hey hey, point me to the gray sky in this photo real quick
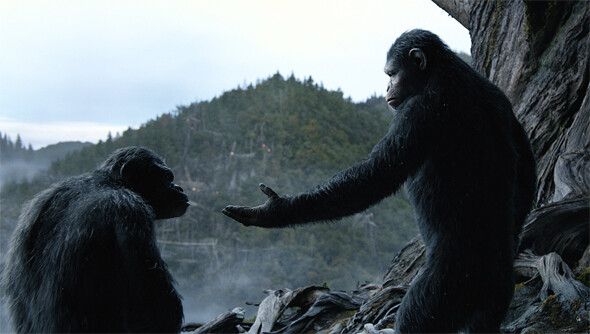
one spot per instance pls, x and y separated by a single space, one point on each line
75 70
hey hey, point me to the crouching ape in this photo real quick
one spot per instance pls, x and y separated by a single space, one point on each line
84 256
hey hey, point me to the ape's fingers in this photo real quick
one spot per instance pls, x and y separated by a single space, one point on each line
233 212
240 214
267 191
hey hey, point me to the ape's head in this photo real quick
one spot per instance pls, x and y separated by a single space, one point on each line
409 63
143 172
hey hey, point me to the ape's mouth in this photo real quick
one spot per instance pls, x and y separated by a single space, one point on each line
186 202
392 101
179 209
181 205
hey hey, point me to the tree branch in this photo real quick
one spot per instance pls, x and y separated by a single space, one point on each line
458 9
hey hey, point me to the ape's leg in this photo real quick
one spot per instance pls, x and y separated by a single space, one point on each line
428 308
437 304
485 322
492 304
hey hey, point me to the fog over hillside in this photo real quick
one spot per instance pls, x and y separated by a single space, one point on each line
18 164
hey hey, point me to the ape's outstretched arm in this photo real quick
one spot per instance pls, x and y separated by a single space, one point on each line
354 189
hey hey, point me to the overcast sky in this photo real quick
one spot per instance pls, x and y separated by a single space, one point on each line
75 70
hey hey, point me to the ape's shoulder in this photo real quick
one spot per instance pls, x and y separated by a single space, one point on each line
115 204
85 200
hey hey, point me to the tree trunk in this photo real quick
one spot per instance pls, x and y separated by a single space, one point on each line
537 53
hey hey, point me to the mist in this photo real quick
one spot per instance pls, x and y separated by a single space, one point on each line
19 170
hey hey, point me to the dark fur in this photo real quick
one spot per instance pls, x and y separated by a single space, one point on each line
84 256
470 173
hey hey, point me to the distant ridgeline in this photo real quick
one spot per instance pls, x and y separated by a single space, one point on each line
20 163
287 133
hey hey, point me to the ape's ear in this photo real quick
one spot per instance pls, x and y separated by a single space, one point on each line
128 172
419 57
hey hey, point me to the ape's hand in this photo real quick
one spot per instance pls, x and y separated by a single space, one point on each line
270 214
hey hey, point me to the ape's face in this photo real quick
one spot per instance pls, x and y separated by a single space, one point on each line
406 77
397 88
154 182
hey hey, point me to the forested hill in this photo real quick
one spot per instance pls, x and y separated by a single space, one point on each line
304 125
287 133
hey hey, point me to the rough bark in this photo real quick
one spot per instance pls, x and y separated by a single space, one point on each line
406 265
538 54
550 300
560 227
228 322
458 9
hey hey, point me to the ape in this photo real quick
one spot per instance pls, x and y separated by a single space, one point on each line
469 171
84 256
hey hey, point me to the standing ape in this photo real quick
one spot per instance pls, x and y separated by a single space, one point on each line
84 256
469 171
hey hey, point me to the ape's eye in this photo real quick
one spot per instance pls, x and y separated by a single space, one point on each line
169 177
